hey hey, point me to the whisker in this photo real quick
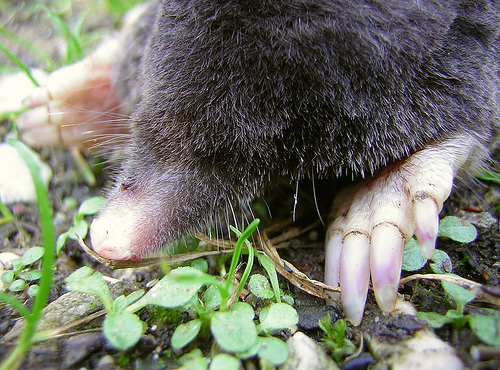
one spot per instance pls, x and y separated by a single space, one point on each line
316 200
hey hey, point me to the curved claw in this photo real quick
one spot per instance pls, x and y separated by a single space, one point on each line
355 275
332 261
426 216
386 255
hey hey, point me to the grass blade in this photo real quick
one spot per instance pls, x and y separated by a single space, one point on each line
19 63
48 242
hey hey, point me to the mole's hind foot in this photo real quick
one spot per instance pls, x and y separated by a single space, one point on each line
77 105
373 221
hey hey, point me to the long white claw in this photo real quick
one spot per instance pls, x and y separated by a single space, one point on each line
386 254
426 216
355 275
333 252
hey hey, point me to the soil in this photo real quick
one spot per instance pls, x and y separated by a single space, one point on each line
85 347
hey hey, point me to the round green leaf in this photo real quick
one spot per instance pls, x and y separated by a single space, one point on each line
17 264
243 310
487 328
232 333
212 298
8 276
434 319
442 263
274 350
61 240
33 290
170 292
119 304
278 316
31 275
460 295
412 256
200 264
223 361
17 285
123 330
81 228
185 333
81 273
457 229
93 284
193 360
259 286
92 206
32 255
70 202
80 281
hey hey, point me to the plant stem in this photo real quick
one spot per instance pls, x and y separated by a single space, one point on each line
237 249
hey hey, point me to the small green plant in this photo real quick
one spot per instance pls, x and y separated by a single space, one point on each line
89 207
234 328
22 276
485 323
335 340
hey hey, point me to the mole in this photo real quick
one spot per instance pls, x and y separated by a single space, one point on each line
212 101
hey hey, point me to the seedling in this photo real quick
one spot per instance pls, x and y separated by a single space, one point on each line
335 339
485 324
22 275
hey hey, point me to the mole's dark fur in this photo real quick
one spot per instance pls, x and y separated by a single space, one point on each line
229 95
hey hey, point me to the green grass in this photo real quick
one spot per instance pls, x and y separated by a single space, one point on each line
48 241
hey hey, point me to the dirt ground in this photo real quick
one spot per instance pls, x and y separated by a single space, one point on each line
85 346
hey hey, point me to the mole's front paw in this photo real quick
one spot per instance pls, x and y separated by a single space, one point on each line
373 221
77 105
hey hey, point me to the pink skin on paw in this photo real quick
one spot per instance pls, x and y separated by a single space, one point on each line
85 117
78 105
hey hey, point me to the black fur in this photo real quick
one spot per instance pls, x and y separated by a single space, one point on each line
232 94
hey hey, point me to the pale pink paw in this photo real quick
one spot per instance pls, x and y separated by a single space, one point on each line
373 221
76 105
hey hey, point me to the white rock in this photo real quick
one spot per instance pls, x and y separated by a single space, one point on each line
16 183
305 354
